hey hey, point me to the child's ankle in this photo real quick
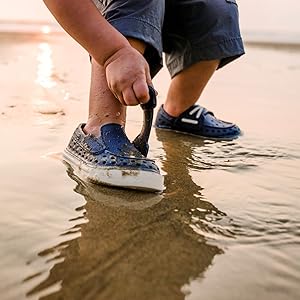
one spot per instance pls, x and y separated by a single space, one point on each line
93 127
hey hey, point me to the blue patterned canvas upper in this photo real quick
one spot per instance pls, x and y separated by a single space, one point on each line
111 150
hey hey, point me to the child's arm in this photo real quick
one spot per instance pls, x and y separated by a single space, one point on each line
126 69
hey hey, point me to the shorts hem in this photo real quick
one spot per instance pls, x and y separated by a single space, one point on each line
226 51
143 30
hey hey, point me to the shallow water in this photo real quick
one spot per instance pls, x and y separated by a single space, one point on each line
226 227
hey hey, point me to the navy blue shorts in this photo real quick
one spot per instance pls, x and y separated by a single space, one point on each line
187 31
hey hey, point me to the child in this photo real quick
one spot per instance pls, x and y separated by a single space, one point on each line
125 40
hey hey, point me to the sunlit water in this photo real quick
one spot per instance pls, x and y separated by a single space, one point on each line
226 227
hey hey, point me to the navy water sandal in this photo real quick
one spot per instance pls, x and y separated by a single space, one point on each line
197 120
111 159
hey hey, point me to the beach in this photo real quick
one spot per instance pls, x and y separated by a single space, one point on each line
227 225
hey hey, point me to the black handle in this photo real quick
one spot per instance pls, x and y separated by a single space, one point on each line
141 141
151 104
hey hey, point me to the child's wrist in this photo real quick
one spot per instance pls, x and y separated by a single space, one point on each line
116 54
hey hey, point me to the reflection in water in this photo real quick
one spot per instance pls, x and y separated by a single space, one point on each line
45 66
46 29
47 95
137 245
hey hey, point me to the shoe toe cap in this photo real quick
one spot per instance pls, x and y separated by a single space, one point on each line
111 160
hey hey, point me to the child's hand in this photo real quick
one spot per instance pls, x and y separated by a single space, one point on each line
128 76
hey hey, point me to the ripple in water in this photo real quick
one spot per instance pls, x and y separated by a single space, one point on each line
230 155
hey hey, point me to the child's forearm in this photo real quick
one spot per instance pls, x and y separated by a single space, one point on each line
127 72
82 20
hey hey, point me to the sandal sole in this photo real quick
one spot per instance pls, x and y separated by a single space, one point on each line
201 136
119 177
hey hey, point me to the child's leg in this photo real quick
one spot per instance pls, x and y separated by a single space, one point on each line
202 36
104 108
187 86
199 37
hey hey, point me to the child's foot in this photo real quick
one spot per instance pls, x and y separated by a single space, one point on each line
111 159
199 121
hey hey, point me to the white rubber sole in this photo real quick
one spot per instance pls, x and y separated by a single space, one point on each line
129 179
201 136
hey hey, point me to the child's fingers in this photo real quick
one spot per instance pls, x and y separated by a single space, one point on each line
149 81
148 77
141 90
129 97
118 95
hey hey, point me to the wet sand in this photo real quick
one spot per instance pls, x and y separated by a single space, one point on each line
226 227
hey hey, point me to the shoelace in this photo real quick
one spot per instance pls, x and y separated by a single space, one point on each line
197 110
